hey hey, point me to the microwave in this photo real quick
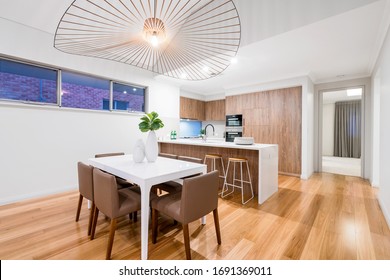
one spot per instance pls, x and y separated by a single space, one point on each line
234 121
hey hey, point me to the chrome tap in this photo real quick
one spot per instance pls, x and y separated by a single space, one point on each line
205 129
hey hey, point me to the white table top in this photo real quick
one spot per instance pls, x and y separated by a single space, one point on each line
151 173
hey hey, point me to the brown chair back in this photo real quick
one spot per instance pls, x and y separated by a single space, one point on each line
106 193
190 159
172 156
199 196
85 180
112 202
109 155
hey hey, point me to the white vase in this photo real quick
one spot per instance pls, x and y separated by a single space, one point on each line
151 147
139 151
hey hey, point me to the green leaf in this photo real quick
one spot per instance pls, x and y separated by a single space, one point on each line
150 121
150 116
145 119
143 126
154 126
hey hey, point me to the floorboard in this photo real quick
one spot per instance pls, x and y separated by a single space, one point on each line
329 216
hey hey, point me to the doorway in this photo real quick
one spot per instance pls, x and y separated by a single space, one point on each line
342 119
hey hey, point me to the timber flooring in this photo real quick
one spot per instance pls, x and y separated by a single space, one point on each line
326 217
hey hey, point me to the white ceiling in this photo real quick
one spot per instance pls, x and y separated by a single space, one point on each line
280 39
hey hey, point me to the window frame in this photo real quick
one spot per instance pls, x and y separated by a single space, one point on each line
145 89
90 76
58 104
28 102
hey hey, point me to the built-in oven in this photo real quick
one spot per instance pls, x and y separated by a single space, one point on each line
233 127
232 132
234 121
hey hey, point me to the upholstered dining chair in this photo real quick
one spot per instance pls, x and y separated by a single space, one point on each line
112 202
172 156
198 198
85 178
109 154
190 159
122 183
165 187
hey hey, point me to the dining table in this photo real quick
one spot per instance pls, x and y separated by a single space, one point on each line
146 174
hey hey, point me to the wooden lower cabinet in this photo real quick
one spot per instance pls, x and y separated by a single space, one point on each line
201 151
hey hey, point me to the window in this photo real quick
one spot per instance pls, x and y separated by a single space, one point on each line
26 82
129 98
82 91
29 83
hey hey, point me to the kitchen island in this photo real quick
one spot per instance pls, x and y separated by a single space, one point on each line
262 158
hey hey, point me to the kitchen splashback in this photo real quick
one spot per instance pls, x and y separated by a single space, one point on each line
190 128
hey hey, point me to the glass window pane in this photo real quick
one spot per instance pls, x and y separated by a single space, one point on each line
24 82
86 92
129 98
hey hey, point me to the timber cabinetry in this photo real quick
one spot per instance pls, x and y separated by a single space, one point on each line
273 117
215 110
192 109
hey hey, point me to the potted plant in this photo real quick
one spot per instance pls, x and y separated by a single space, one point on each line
150 122
202 133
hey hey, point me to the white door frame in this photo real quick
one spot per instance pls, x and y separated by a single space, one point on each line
320 126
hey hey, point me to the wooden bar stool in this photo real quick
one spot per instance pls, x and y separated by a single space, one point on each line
214 158
241 180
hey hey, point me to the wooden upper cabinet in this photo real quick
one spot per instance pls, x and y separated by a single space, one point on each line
215 110
192 109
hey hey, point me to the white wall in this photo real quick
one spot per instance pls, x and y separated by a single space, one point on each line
376 106
40 145
307 128
328 129
381 83
192 95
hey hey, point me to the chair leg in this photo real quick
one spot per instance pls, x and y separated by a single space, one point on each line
154 225
216 223
186 234
79 207
94 222
111 239
91 215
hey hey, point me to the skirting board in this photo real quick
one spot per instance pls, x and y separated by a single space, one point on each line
14 199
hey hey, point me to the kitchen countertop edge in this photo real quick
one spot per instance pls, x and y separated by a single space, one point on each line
221 144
